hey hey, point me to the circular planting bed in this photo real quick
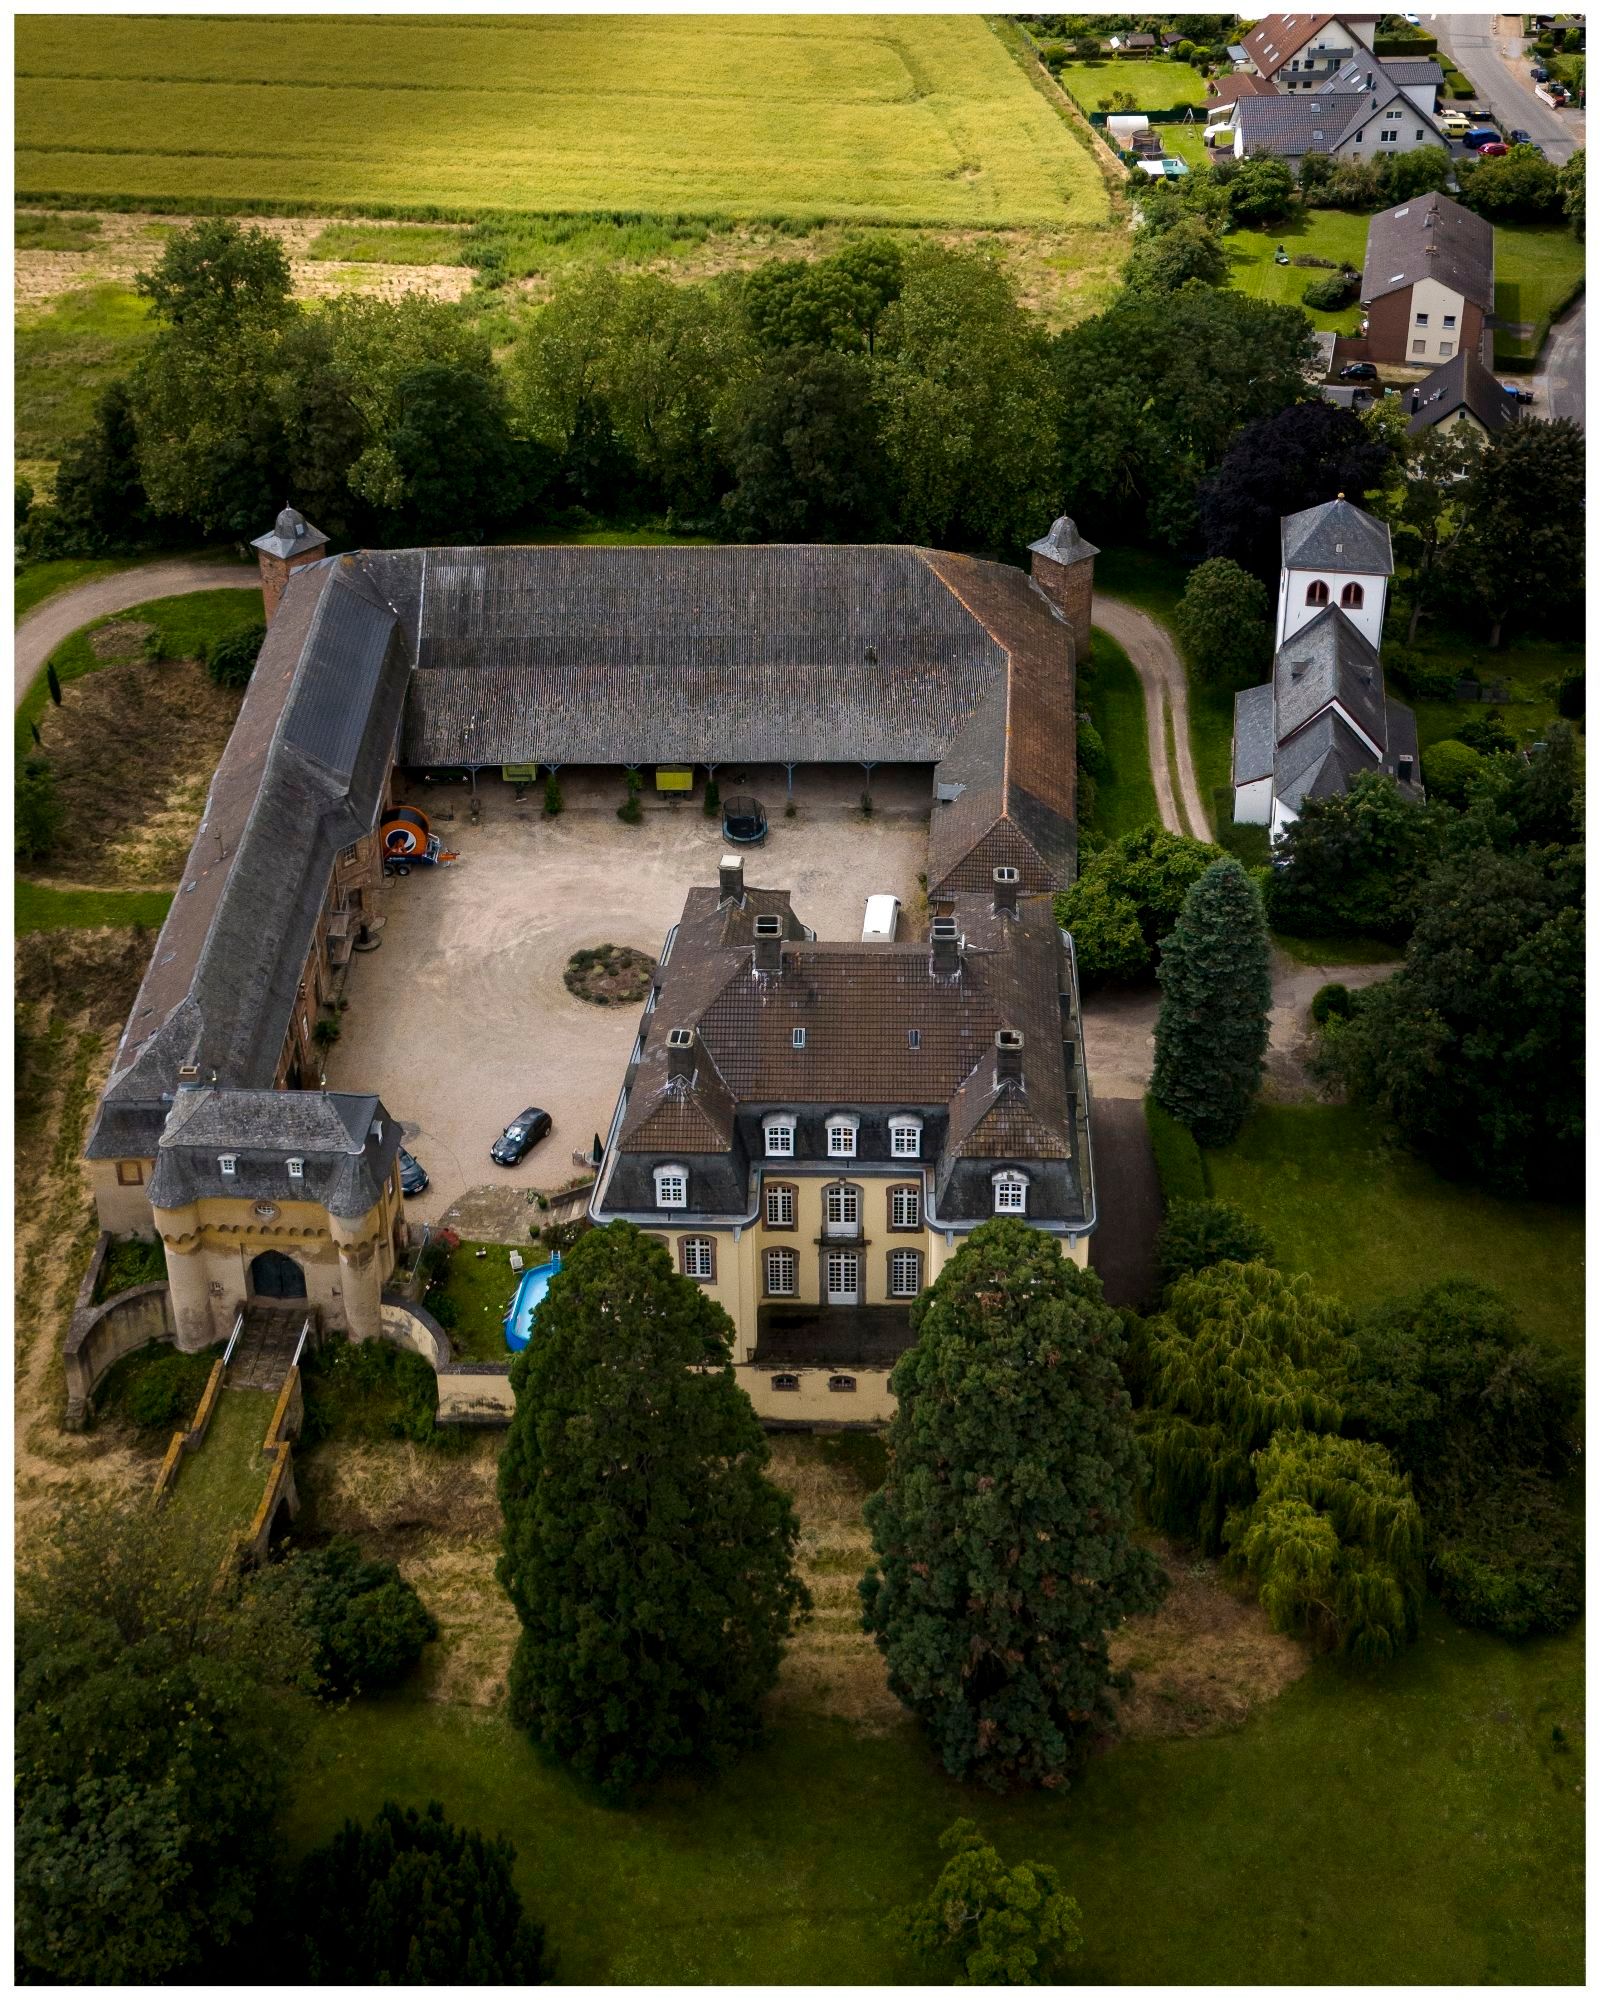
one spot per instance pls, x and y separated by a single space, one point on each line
610 975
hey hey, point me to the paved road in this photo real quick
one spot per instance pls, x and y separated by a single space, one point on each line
44 628
1489 48
1558 386
1155 661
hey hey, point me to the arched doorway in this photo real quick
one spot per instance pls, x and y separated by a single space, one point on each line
274 1276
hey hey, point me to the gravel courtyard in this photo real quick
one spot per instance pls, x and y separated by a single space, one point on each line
461 1018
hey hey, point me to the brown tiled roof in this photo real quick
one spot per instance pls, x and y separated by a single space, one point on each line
1273 41
1229 89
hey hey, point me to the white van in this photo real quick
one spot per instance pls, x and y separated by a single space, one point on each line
882 921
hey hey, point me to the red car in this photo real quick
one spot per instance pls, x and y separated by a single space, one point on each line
1495 150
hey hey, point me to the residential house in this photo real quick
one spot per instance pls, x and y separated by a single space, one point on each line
1460 391
1306 51
1428 283
1324 717
812 1129
1363 113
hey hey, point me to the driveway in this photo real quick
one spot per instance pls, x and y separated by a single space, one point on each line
1488 48
1558 386
1155 660
40 632
461 1018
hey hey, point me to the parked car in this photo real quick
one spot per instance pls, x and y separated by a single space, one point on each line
1481 136
1520 138
1517 393
1358 371
520 1136
413 1174
1539 73
1494 149
1454 124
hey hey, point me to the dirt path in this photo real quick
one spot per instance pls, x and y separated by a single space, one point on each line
1155 661
44 628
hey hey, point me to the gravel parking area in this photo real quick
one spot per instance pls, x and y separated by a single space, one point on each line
461 1018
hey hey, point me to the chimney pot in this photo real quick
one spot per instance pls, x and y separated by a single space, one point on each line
1006 883
680 1052
730 879
188 1076
1008 1055
946 945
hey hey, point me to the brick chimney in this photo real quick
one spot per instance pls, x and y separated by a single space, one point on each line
1063 568
946 945
292 544
1008 1055
730 879
1007 882
769 944
680 1052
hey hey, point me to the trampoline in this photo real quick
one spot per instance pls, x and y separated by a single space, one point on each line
744 819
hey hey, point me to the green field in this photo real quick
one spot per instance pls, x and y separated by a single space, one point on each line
916 119
65 357
1155 85
38 908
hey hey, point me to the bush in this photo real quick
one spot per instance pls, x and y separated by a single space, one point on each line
988 1925
157 1389
444 1309
1423 680
1330 294
372 1391
1180 1166
1331 1002
1127 898
368 1623
1198 1234
1092 758
231 661
553 801
1448 769
1487 734
1511 1562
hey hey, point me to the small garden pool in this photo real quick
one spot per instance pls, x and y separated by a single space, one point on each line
532 1288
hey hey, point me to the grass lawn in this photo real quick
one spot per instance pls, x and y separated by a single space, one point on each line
182 625
1368 1219
1337 950
1422 1824
1538 270
1314 232
915 119
1156 85
1532 670
481 1289
43 909
1109 688
220 1485
65 357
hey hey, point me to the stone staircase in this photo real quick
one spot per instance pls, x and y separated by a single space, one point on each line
266 1346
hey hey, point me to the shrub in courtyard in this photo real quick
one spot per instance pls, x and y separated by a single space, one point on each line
629 812
231 661
326 1032
1448 770
1333 1544
1128 897
1002 1544
368 1623
1239 1353
1332 1002
162 1394
1332 293
553 801
647 1553
370 1390
1198 1234
1216 990
411 1899
984 1924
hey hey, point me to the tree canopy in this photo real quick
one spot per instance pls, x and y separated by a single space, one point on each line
1281 464
1224 619
984 1924
1127 897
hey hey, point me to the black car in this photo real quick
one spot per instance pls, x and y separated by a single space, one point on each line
520 1136
413 1174
1539 73
1520 138
1517 395
1358 371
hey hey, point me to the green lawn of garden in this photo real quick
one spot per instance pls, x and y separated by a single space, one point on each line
43 909
1424 1823
1539 270
221 1484
480 1288
1109 688
1368 1219
1157 84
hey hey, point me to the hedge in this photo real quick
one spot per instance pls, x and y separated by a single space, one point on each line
1180 1167
1405 45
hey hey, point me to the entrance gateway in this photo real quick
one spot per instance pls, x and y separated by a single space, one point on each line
275 1276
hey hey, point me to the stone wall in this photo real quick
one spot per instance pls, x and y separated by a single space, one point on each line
470 1392
99 1335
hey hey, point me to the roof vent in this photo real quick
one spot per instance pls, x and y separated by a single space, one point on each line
769 944
1006 881
1008 1055
680 1052
946 945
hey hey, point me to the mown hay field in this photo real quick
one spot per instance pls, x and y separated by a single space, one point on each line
924 119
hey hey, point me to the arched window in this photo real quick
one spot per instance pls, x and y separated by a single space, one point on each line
779 1129
787 1384
1010 1192
672 1187
1317 593
1352 597
905 1137
842 1128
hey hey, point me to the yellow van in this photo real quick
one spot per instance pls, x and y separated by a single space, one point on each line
1454 124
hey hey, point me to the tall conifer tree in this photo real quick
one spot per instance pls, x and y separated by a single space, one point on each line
1216 990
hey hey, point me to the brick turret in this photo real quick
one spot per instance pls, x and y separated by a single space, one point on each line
1063 568
292 544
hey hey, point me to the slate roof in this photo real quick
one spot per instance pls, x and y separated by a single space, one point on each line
347 1145
1430 236
1253 735
1412 70
302 777
292 535
1328 660
1337 536
1063 544
1294 125
859 1006
1461 383
1319 761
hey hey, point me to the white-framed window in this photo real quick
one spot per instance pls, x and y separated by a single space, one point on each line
842 1137
797 1038
905 1273
1010 1192
672 1187
778 1127
228 1162
905 1138
905 1208
1422 319
1449 319
782 1269
841 1208
699 1257
297 1170
780 1207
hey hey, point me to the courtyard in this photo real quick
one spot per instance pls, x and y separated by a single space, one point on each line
461 1018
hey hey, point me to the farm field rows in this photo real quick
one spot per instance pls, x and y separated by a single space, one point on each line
924 119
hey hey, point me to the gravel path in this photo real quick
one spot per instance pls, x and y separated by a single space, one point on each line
1155 660
43 629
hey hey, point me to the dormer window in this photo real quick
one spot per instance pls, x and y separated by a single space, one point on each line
297 1170
672 1187
779 1130
1352 597
228 1163
842 1128
1010 1192
905 1138
1317 593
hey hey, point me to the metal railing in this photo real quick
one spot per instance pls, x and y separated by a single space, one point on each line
233 1338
